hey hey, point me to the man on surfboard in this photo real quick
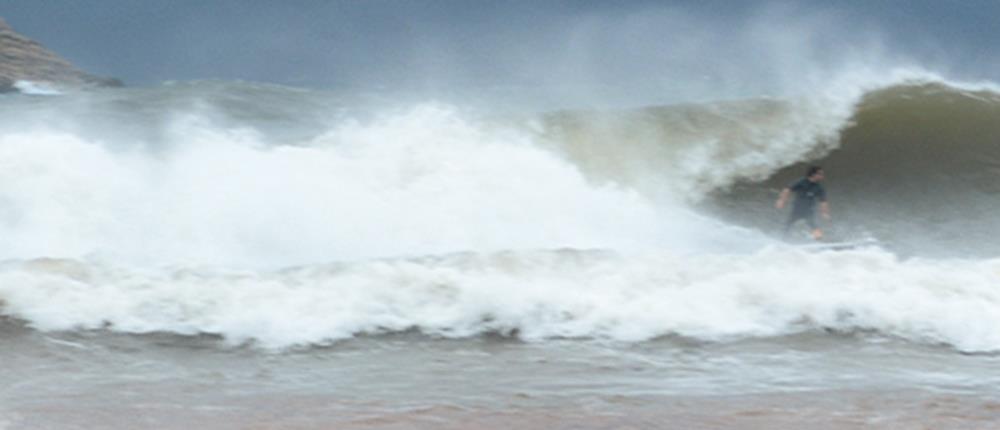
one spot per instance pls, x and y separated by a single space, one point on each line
808 193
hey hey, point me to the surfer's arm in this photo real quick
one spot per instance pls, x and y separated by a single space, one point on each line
782 198
824 209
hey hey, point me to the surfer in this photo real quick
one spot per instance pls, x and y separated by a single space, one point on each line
808 192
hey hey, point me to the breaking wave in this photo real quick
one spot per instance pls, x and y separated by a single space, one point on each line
534 295
191 209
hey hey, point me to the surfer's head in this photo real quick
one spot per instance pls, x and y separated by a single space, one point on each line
814 173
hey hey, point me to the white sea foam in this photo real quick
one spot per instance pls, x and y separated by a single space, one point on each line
422 181
532 294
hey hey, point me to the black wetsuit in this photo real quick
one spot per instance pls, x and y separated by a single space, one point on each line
807 194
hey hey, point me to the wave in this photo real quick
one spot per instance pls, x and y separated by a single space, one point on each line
913 160
186 189
687 151
533 295
918 165
175 208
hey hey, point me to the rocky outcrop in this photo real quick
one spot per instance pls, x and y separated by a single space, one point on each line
23 59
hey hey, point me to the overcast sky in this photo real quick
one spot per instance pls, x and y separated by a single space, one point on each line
376 43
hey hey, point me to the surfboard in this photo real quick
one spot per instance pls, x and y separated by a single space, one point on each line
839 246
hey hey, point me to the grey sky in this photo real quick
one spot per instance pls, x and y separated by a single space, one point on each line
384 43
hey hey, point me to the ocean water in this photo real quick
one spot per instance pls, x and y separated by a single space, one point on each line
236 255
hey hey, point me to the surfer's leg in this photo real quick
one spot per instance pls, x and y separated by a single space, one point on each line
793 217
788 222
817 233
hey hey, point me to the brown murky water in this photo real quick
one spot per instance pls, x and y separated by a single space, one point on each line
103 381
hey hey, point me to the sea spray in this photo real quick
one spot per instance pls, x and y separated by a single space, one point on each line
423 181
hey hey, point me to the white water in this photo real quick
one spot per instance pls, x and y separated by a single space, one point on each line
432 219
421 182
534 294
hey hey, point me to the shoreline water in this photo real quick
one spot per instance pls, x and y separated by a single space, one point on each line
848 381
816 410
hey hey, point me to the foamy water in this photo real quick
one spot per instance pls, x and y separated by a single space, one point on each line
534 295
420 182
147 227
578 225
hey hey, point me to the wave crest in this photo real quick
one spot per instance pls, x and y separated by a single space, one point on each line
532 294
